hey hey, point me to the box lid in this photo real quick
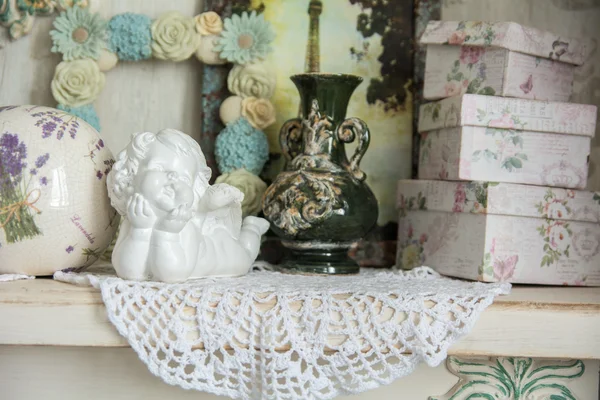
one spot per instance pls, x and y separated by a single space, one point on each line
508 113
508 35
499 199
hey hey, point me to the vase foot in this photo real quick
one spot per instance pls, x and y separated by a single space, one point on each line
318 258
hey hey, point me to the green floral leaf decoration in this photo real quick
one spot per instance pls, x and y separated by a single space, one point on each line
245 38
512 378
35 7
78 34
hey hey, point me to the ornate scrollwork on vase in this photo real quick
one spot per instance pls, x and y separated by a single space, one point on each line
309 198
290 138
346 133
312 187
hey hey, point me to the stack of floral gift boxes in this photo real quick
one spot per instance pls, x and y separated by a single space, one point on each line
503 160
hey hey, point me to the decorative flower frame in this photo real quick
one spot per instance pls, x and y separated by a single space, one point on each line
91 46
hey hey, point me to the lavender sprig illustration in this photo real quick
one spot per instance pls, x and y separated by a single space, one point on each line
56 123
17 200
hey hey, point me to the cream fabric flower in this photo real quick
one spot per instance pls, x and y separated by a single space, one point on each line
209 23
77 83
174 37
63 5
259 112
252 187
206 51
107 60
231 109
252 80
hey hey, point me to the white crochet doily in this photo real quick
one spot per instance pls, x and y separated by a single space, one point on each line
14 277
274 336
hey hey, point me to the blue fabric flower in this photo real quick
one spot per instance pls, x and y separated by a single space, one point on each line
240 145
78 34
245 39
86 113
130 36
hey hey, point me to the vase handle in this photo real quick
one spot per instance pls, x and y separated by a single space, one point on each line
290 138
346 133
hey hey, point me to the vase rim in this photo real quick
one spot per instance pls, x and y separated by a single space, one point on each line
328 75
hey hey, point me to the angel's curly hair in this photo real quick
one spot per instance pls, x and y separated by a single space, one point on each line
120 179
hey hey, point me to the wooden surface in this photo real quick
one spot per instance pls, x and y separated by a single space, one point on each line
555 322
69 373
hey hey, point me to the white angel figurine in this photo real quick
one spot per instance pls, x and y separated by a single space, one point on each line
177 226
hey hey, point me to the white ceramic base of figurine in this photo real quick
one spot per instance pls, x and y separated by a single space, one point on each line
177 226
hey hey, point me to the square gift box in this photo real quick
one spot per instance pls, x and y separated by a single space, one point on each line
501 59
498 139
500 232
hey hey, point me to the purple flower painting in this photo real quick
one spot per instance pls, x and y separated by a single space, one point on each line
107 164
17 199
57 123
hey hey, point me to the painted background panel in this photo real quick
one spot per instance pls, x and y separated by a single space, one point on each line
368 38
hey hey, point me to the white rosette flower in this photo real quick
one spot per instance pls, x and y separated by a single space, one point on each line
252 80
557 210
251 185
559 236
260 113
174 37
77 83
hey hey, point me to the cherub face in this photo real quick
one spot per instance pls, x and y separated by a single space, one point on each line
165 178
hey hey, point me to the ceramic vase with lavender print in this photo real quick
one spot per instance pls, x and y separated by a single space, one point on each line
54 208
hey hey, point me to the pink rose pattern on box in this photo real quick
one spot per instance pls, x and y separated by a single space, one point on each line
529 40
501 268
431 111
556 234
471 197
509 148
426 143
412 203
476 32
411 250
468 73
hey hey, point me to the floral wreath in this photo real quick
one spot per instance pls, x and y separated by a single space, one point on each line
91 46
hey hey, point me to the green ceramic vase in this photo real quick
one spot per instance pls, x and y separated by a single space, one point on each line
320 204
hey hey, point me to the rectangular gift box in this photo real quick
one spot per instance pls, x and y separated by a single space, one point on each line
489 138
500 232
502 59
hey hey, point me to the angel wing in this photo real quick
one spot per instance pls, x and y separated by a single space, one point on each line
221 207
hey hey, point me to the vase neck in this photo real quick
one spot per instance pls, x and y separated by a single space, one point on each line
331 92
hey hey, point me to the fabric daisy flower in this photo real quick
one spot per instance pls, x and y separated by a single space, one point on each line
78 34
245 38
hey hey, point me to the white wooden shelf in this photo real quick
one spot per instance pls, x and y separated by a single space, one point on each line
549 322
